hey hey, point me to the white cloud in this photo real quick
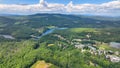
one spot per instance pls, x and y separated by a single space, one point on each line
110 8
69 7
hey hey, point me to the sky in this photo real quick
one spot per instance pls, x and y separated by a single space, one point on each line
53 1
87 7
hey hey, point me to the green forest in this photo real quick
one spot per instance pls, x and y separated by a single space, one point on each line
83 44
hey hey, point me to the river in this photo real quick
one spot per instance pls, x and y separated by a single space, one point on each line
49 32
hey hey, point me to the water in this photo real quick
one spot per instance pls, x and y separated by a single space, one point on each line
115 44
7 36
50 31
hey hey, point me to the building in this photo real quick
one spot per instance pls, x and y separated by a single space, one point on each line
113 58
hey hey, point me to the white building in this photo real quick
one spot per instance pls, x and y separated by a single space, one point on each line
113 58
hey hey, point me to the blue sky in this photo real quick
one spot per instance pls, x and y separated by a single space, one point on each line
90 7
53 1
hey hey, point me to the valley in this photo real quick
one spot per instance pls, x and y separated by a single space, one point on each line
59 41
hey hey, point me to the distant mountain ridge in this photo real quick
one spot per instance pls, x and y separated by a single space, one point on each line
63 20
97 17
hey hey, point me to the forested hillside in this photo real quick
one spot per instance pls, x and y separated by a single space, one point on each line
59 41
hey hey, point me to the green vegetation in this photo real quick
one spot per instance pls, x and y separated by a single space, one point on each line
24 55
52 49
31 23
78 30
59 49
41 64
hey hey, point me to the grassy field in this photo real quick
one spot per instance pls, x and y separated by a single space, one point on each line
77 30
41 64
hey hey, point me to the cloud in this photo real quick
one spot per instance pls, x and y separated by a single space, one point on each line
111 8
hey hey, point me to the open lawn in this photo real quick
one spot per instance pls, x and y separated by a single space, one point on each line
77 30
